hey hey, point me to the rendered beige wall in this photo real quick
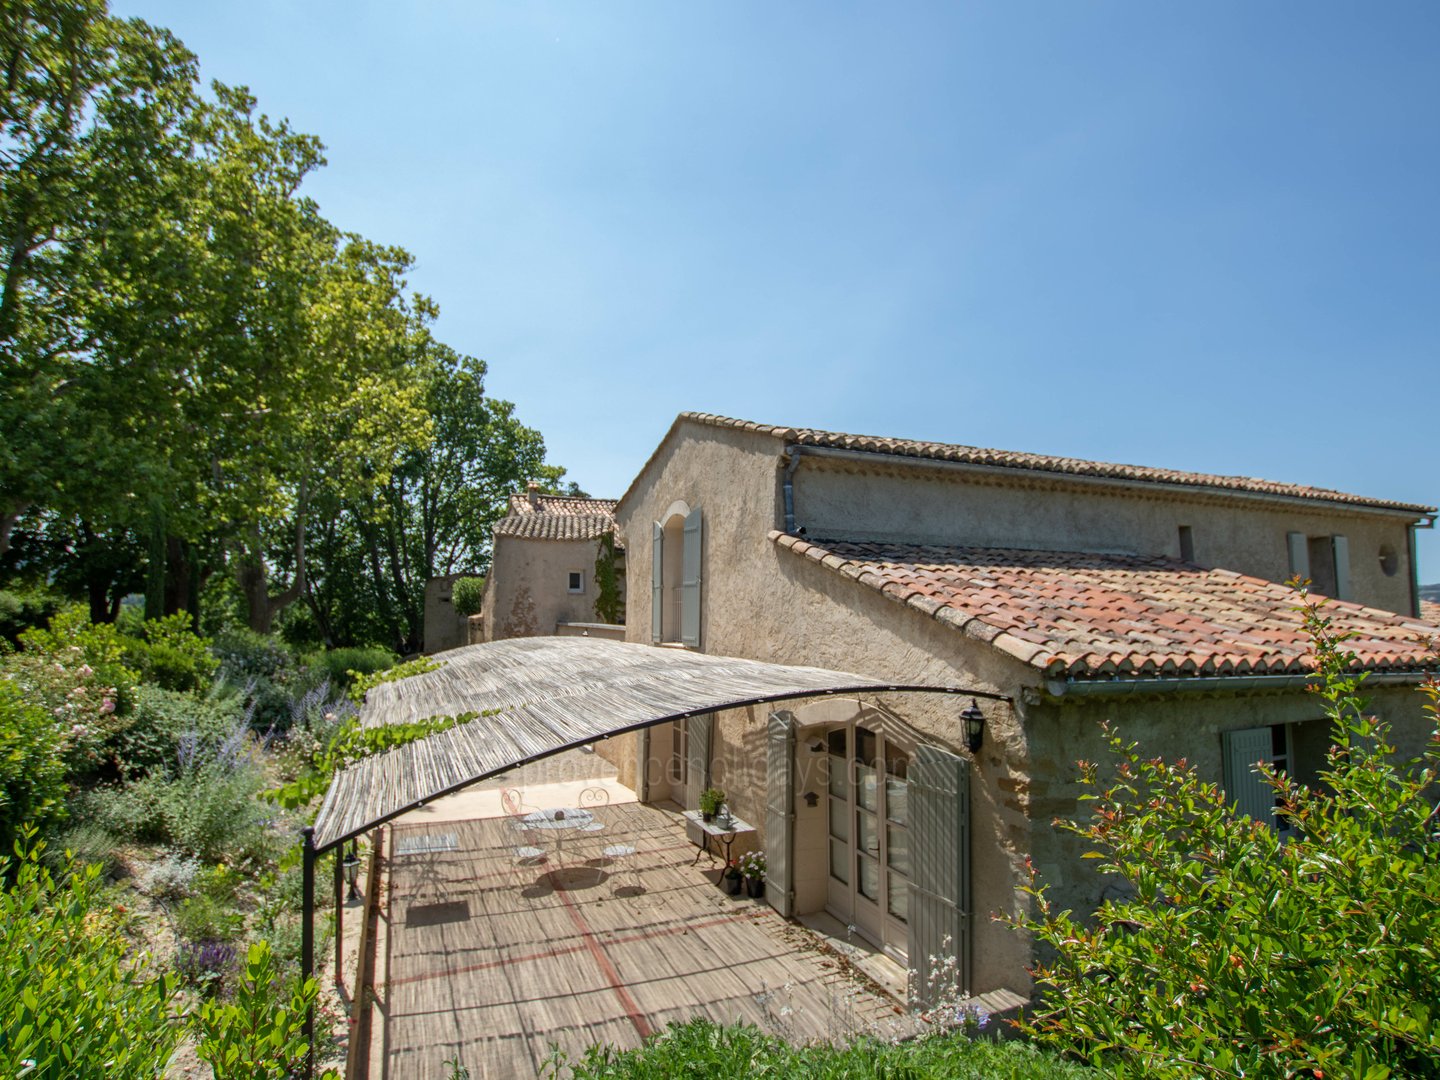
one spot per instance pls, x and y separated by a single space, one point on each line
526 592
767 604
834 500
444 627
762 602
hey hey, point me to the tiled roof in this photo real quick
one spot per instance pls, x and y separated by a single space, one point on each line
1085 616
558 517
1042 463
1430 612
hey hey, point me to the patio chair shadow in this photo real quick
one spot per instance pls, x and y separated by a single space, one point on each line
447 911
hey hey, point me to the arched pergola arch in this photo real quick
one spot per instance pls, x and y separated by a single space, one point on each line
538 697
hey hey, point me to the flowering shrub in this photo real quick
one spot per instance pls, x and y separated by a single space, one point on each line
85 706
1240 954
752 865
32 776
204 964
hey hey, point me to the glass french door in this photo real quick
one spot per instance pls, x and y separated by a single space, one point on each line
869 835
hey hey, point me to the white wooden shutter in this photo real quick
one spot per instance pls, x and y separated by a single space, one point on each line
657 581
1299 546
690 581
780 812
1243 749
698 730
1341 549
939 796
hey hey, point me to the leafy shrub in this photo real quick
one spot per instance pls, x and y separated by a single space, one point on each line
1240 954
88 843
200 918
207 808
24 608
170 655
172 876
72 991
150 740
700 1048
342 665
32 775
260 1034
468 595
268 676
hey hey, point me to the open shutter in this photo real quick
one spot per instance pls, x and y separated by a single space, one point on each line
697 765
1299 545
939 926
690 582
1243 749
1341 549
657 581
780 812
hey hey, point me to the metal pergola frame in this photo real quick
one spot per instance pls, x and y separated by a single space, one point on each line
391 703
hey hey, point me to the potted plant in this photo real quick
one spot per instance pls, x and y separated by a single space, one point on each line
752 869
732 880
710 802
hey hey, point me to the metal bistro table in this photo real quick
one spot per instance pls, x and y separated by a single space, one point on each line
725 831
560 821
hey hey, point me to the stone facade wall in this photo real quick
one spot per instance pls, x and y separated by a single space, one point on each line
527 593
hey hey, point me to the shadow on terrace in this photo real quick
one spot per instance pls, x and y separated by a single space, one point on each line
495 958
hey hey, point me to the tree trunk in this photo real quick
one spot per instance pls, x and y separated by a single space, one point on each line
254 577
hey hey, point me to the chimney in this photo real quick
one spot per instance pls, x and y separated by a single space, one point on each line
532 492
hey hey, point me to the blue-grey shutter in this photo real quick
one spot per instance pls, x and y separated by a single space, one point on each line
690 581
698 731
1243 749
939 927
1299 546
1340 547
780 812
657 581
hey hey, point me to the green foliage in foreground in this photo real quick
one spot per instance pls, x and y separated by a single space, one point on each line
1240 955
74 1001
699 1048
260 1034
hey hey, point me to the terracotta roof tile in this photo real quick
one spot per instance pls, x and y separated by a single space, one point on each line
558 517
1043 463
1089 615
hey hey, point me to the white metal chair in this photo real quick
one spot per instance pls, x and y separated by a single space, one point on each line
528 852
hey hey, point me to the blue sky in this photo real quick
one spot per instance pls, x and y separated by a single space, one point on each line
1200 236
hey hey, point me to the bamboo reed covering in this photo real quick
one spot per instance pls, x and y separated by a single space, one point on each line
554 693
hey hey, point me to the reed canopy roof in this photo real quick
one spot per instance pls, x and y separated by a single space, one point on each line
552 694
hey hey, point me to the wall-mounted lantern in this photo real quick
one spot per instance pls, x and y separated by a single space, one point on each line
351 865
974 726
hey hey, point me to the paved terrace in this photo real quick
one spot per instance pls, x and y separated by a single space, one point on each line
498 964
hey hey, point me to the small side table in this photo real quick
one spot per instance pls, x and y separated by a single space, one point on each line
724 831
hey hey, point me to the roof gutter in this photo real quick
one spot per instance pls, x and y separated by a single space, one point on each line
792 455
1208 684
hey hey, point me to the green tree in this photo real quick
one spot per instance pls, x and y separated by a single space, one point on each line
434 514
92 164
1240 954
